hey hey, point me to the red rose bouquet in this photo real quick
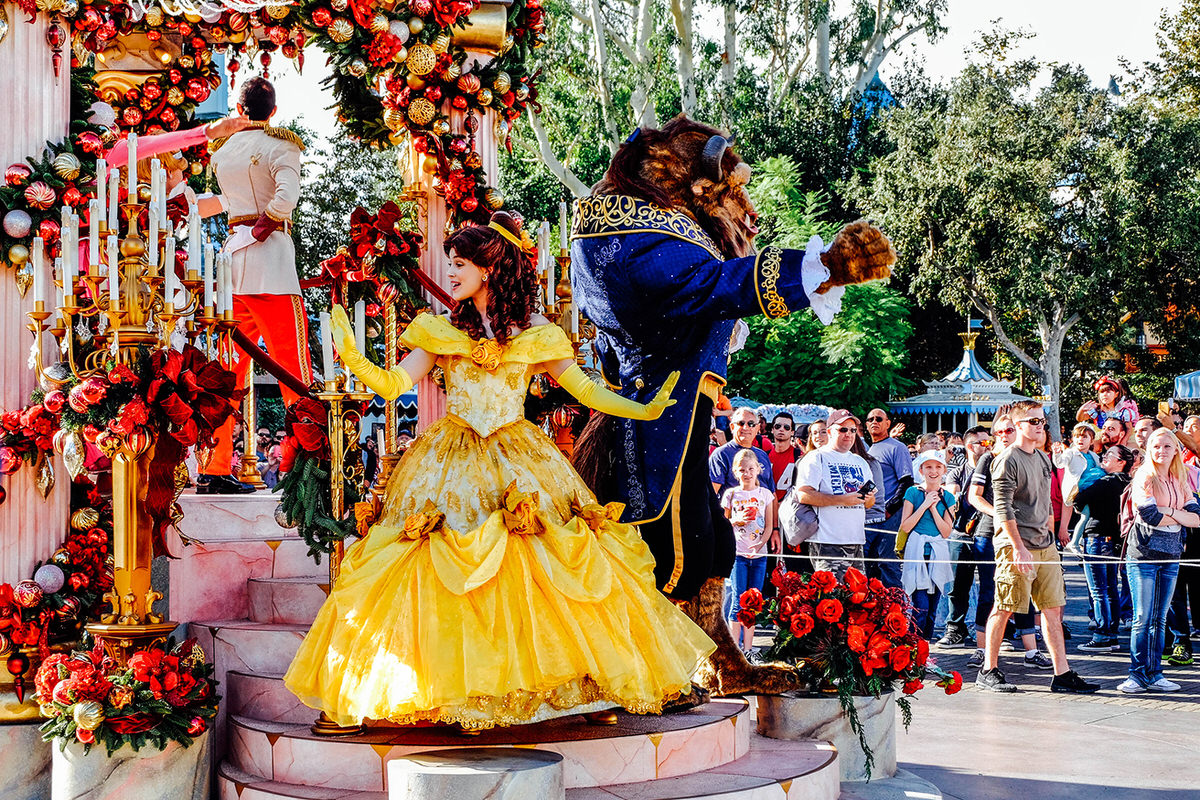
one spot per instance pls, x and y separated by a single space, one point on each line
852 636
161 695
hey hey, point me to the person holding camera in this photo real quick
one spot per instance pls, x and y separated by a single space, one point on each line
838 484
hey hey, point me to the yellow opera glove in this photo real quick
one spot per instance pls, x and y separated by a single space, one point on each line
592 395
387 383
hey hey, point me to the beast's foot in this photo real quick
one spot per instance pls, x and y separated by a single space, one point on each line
698 696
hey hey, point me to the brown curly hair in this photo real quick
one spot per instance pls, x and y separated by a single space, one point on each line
512 281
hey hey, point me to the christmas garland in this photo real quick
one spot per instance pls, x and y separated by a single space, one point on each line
162 695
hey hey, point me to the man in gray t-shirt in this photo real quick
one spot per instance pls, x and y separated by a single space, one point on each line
1027 563
896 463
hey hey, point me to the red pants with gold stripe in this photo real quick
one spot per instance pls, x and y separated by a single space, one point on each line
280 321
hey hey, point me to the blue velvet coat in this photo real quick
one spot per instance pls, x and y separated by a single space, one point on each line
663 298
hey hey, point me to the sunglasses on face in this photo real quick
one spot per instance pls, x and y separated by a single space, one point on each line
845 429
746 424
1005 431
876 419
782 427
1036 422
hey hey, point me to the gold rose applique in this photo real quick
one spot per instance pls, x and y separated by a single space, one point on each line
520 511
486 354
423 523
593 514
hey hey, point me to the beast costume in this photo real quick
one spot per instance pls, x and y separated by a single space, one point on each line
663 298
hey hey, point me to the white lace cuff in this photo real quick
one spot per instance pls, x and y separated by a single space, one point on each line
812 274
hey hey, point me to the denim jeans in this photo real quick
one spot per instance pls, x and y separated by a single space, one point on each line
748 573
1179 624
881 544
1150 586
925 606
978 548
1103 586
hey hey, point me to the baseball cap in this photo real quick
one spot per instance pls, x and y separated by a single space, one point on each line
841 415
928 455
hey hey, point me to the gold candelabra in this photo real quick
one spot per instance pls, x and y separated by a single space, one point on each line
134 314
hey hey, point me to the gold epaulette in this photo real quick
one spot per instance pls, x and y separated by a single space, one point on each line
215 144
285 134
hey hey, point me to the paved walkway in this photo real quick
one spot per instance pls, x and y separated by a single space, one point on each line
1034 744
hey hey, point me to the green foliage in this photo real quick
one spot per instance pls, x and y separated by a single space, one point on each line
304 497
857 362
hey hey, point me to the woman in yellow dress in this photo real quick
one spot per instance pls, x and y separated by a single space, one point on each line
494 590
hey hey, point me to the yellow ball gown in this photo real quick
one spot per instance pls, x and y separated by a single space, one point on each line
494 590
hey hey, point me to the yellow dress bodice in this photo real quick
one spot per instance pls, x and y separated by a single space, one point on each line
486 382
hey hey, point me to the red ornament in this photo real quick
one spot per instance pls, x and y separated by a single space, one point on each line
238 22
3 495
265 58
18 664
131 96
90 143
151 90
185 29
321 17
73 197
234 65
469 204
168 117
289 50
132 116
49 230
420 144
39 195
154 35
421 8
27 594
17 175
199 44
459 102
459 146
433 94
174 76
277 34
90 20
197 90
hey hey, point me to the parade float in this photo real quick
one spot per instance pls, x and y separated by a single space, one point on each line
168 672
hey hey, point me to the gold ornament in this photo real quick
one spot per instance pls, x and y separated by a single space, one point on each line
421 111
278 10
340 30
175 95
85 518
339 5
442 43
401 55
484 97
187 62
66 166
379 23
393 118
197 168
522 91
88 715
502 83
421 59
429 165
469 84
441 127
24 277
192 17
154 16
74 454
493 199
473 160
416 25
18 254
43 476
455 165
415 82
357 67
453 71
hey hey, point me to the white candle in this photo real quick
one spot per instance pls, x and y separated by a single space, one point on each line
114 279
152 253
39 270
562 225
228 289
360 325
326 347
218 284
114 184
574 320
194 264
58 305
208 277
171 287
131 167
380 442
162 198
549 283
94 211
101 184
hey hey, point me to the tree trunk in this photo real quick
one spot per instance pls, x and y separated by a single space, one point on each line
606 103
823 63
681 12
729 62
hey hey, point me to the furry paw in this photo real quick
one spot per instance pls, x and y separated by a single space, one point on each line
859 253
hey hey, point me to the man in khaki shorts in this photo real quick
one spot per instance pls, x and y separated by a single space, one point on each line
1027 562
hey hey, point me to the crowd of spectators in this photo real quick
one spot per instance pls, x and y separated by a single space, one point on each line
983 518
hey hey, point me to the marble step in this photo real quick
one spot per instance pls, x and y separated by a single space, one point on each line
637 749
770 770
264 697
210 579
289 600
249 517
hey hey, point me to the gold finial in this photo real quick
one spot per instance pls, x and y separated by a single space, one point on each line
969 339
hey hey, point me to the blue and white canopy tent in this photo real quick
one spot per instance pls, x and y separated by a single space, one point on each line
1187 387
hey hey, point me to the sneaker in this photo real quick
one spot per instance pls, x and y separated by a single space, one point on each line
976 659
1180 656
1070 682
1099 645
1007 646
1130 686
1038 660
1163 685
951 639
992 680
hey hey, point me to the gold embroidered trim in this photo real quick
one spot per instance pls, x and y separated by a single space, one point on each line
766 277
605 215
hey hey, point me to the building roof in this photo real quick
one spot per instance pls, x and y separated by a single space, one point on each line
969 388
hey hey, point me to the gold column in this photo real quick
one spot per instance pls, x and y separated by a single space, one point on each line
249 473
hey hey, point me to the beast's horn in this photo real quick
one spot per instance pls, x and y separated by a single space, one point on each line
714 151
